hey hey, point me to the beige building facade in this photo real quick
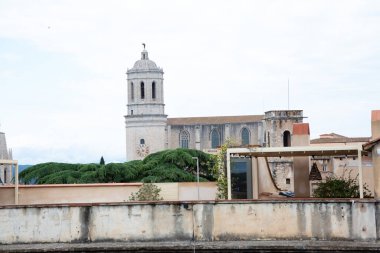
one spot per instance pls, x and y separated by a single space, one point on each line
341 165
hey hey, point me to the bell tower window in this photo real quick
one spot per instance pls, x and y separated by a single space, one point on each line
142 90
153 90
132 92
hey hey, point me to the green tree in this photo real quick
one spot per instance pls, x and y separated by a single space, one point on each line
220 170
102 161
166 166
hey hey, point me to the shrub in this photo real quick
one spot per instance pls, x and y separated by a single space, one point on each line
340 187
147 192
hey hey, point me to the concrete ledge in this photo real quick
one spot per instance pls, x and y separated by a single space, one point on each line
190 246
204 221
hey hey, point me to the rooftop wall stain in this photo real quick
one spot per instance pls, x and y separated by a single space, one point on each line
343 220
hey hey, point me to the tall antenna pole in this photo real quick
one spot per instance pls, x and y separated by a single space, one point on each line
288 94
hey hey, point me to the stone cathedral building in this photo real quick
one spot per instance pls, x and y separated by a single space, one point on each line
148 128
5 154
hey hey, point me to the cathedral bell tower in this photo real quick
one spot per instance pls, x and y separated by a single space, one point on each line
146 120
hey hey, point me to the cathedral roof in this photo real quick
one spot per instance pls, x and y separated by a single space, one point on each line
215 120
144 63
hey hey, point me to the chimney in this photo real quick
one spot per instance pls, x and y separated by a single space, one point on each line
375 126
301 164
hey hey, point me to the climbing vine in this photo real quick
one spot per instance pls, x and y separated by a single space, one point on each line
220 170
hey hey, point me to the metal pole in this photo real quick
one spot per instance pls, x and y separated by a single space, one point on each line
288 94
16 184
360 174
228 174
196 158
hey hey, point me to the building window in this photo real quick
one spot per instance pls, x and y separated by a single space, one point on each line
215 138
244 136
153 90
287 139
132 91
142 141
131 112
268 139
288 181
184 138
142 90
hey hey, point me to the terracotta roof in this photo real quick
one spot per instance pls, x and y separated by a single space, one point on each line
375 115
370 144
301 129
215 120
340 140
332 135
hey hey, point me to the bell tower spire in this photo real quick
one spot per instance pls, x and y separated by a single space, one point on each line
144 53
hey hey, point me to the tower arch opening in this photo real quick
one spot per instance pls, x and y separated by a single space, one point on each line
287 139
132 91
153 90
142 90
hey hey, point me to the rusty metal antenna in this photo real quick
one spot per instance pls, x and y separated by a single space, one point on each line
288 94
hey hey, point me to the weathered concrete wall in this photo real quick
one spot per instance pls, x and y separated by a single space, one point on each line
200 221
101 193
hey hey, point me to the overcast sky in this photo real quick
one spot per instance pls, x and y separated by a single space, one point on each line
62 67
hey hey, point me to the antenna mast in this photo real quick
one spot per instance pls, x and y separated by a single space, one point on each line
288 94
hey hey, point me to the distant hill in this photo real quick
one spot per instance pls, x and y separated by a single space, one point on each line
21 168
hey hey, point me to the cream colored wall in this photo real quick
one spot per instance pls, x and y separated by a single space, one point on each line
70 193
7 195
101 193
189 191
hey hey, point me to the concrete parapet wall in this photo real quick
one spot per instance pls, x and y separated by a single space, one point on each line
198 221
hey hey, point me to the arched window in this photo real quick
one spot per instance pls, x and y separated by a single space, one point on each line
184 138
244 136
142 141
287 139
153 90
132 91
215 138
142 90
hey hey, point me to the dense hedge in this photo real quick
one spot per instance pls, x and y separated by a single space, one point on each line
166 166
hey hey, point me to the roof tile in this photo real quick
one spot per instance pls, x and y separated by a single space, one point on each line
215 120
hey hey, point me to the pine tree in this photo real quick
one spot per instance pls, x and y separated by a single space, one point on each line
102 161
